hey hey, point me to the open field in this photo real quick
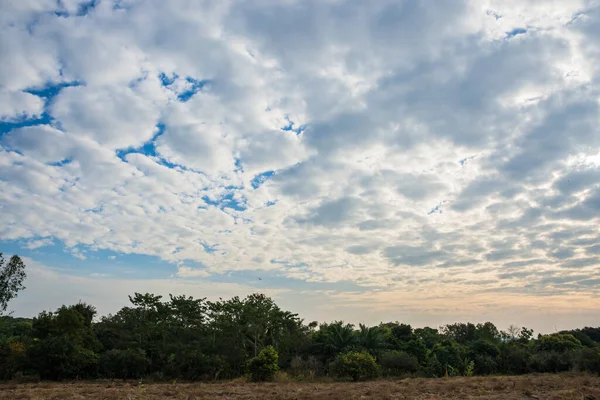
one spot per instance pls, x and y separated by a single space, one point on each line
575 387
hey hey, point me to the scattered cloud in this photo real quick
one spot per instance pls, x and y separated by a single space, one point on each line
187 272
34 244
392 145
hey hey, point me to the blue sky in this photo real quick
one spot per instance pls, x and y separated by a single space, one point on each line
366 161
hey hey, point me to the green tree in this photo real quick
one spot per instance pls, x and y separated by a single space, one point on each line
394 363
64 344
264 366
355 365
557 342
12 276
459 332
484 355
588 359
371 339
449 358
124 364
332 339
429 336
592 333
58 358
192 364
240 329
396 334
515 358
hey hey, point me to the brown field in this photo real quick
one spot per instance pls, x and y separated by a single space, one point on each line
569 386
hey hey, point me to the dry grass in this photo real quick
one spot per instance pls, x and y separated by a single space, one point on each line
569 386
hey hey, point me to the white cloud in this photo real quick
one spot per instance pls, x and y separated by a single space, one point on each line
15 106
187 272
371 115
34 244
114 117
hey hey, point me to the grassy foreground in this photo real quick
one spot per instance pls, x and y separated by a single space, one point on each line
564 386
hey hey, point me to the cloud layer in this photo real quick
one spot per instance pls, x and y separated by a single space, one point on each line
449 149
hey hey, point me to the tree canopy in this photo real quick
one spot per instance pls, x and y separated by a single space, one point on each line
195 339
12 275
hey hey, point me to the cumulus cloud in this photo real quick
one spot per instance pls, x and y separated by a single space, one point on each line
391 144
15 106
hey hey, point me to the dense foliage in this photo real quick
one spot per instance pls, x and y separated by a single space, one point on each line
194 339
264 366
356 365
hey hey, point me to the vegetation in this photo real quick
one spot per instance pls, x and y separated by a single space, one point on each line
12 276
195 339
264 366
190 339
356 365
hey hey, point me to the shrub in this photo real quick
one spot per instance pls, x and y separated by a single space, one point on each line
516 358
470 368
85 363
557 342
445 359
194 365
307 368
434 367
485 364
398 363
264 366
355 365
482 347
417 349
448 354
552 361
12 358
58 358
588 359
125 364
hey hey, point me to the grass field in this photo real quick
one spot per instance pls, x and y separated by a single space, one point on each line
575 387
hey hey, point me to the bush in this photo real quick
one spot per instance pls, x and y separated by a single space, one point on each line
12 358
482 347
307 368
417 349
264 366
193 365
485 364
552 361
58 358
445 358
557 342
515 358
355 365
398 363
434 367
449 355
588 359
124 364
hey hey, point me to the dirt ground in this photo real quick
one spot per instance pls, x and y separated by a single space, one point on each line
579 387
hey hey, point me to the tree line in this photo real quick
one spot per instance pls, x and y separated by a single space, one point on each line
192 339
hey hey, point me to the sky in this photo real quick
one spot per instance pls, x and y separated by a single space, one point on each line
419 161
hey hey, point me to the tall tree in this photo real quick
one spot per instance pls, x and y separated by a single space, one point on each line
12 276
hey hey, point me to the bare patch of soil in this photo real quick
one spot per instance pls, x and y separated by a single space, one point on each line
529 387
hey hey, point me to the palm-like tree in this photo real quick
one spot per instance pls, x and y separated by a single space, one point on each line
370 338
343 336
